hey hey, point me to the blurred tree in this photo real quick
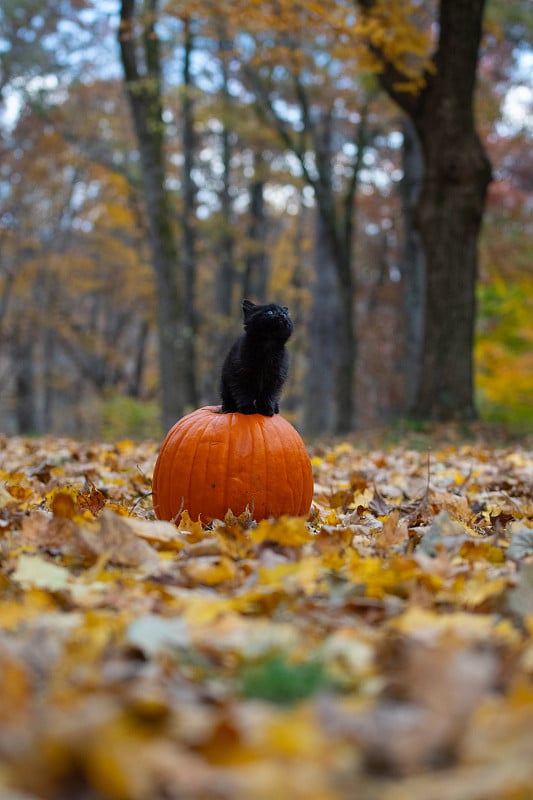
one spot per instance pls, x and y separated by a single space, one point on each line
226 272
450 206
141 59
75 297
305 87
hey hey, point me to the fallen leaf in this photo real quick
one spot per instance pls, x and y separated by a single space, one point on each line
113 537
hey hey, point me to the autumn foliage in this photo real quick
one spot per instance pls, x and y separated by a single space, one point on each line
286 177
385 643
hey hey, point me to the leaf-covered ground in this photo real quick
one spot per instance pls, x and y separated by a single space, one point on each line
382 649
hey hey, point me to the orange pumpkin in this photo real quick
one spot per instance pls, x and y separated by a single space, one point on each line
210 462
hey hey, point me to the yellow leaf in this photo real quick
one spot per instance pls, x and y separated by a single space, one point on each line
477 590
330 517
290 531
428 625
294 734
305 574
194 529
6 498
34 603
211 570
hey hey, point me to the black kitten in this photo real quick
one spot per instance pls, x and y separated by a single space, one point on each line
256 366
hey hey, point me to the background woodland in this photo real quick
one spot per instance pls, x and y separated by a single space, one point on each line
161 161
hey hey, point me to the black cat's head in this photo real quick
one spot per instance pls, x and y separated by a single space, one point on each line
268 320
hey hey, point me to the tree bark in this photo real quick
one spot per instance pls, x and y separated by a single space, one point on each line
188 223
24 367
320 402
449 212
255 279
338 233
412 264
449 215
143 86
136 381
226 268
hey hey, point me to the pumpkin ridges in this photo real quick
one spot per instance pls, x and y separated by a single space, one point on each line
303 474
218 469
176 439
229 475
292 479
275 470
295 479
266 470
200 462
258 472
262 463
238 483
168 462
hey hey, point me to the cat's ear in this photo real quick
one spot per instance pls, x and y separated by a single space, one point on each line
247 308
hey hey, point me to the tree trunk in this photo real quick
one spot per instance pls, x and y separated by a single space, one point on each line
449 212
347 347
338 230
449 216
412 262
136 381
255 279
143 86
24 366
226 268
188 225
320 402
48 388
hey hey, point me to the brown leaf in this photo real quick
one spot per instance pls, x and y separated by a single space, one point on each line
63 505
90 498
379 505
394 532
456 505
115 539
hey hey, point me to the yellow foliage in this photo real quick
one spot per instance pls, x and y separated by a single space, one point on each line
504 351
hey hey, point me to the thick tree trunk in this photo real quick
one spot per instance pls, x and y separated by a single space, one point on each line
144 94
412 262
449 220
449 214
450 208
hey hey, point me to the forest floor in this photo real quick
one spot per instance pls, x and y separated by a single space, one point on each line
381 650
